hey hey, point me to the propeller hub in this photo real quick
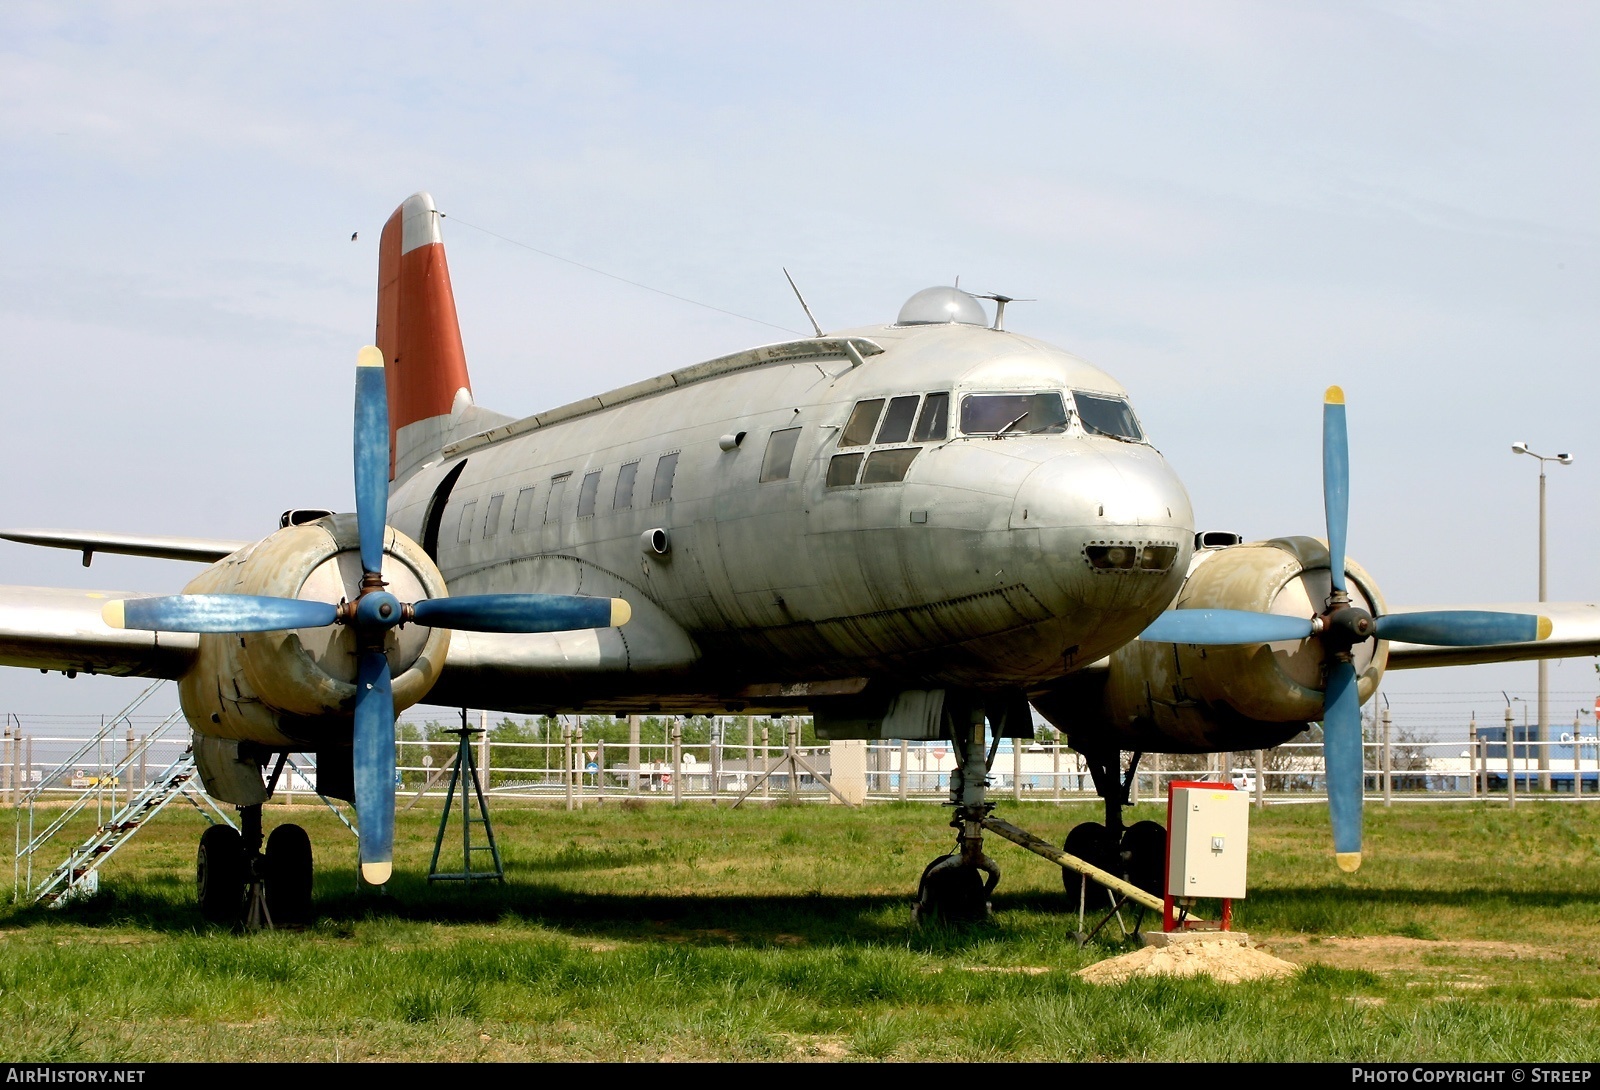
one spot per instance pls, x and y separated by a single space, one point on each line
378 609
1345 626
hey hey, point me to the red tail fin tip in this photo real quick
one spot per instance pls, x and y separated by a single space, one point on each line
426 368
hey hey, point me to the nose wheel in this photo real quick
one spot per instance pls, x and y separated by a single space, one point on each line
956 891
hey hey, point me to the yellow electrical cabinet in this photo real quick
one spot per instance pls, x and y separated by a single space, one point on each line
1209 842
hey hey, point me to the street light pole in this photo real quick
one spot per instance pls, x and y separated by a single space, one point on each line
1544 664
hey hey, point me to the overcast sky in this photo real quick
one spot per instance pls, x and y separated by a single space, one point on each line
1227 206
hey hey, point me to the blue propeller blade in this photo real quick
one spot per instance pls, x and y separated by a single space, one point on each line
1341 751
521 612
1335 480
1224 626
217 613
371 457
374 766
1462 627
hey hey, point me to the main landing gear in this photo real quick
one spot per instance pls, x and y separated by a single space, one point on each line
237 883
955 888
1136 853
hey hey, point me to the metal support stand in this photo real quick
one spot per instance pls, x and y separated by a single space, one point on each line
796 764
464 771
256 917
1114 913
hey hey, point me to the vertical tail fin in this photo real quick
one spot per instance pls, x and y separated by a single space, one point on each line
425 365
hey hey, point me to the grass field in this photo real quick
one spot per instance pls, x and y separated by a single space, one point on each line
701 933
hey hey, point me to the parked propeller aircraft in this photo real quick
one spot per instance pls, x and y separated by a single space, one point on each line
913 530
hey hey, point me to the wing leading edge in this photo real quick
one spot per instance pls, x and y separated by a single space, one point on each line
51 628
1574 633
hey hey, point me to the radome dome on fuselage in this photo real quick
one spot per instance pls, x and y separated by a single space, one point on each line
908 550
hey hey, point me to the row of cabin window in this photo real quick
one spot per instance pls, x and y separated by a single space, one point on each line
522 514
871 423
882 466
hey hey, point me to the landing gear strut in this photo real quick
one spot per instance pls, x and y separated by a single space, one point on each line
955 888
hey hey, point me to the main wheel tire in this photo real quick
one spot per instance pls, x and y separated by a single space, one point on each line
954 895
1092 843
219 874
1145 847
289 875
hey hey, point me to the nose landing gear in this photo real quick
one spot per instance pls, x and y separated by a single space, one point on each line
1127 863
955 888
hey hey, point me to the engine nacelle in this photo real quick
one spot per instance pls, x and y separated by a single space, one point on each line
297 687
1179 698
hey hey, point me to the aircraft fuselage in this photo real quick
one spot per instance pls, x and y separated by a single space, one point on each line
959 558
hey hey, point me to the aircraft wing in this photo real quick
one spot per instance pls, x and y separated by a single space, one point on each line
52 628
88 542
1575 632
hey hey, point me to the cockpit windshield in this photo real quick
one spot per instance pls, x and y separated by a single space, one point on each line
1104 414
1013 414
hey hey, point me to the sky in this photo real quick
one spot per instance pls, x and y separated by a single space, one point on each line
1228 206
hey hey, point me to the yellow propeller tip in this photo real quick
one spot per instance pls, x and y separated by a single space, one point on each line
369 357
111 613
376 874
1349 862
1545 628
621 612
1334 396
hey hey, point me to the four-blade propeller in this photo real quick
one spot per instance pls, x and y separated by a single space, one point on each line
370 616
1339 628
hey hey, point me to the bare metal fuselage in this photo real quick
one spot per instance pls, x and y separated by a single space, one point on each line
970 572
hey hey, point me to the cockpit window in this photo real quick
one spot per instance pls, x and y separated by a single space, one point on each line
1102 414
1013 414
897 421
934 422
863 419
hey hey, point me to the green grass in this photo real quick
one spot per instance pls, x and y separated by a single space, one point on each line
700 933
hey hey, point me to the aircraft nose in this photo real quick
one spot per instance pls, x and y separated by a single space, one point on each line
1114 532
1094 494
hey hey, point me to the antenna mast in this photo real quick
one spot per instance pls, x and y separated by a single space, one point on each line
1000 302
803 305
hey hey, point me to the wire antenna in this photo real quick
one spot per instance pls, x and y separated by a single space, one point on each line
614 276
803 305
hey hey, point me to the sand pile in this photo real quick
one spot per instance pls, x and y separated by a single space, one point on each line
1227 960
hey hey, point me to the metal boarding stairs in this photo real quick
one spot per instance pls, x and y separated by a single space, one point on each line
78 874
